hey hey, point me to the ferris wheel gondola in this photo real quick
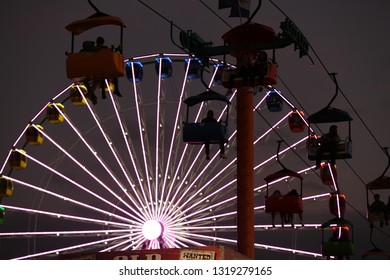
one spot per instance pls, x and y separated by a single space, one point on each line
340 244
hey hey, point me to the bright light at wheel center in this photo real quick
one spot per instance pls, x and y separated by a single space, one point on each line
152 229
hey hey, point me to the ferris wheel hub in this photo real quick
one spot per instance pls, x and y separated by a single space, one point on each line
152 229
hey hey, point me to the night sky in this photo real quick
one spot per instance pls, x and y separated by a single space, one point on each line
350 39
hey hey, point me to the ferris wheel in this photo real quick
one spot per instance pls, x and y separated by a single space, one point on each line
128 170
118 176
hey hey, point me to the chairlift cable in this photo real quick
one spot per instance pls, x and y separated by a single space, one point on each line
330 75
215 13
160 15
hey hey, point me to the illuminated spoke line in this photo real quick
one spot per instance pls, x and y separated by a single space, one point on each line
208 218
183 154
225 228
158 124
88 244
62 92
125 134
209 182
288 250
182 244
257 245
280 153
271 129
337 192
206 168
206 209
65 216
113 151
232 214
187 240
191 198
312 197
81 166
116 246
141 129
137 242
6 161
93 152
62 197
132 237
282 179
162 210
123 164
74 182
190 169
65 233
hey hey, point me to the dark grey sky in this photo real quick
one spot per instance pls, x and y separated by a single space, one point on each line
351 39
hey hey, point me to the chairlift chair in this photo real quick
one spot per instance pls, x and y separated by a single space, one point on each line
210 132
94 65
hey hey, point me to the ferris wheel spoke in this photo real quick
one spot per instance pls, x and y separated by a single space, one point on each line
199 190
70 200
207 209
125 135
177 147
188 241
65 216
62 233
209 238
145 148
74 183
81 166
210 218
287 250
116 154
70 248
174 136
129 239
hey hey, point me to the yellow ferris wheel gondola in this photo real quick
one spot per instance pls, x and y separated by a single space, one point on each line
90 63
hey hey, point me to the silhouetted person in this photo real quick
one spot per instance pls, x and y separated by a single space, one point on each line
290 215
210 118
100 45
328 144
377 208
277 194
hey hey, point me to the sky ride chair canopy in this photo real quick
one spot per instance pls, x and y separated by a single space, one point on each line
380 183
205 132
284 203
289 203
330 115
89 64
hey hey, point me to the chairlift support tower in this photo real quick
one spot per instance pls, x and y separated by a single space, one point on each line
251 36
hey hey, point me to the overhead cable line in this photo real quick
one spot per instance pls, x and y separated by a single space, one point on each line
330 75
